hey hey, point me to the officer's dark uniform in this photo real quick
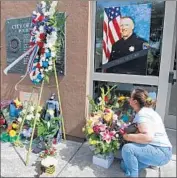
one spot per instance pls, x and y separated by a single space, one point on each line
123 48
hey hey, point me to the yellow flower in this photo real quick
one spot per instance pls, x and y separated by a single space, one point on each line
108 117
92 142
83 129
89 122
14 126
121 98
17 103
39 109
90 130
12 133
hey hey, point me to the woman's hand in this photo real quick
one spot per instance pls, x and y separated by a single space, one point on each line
125 136
144 136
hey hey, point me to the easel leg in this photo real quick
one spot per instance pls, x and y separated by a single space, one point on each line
62 120
32 135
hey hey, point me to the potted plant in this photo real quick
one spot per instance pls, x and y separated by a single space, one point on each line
48 160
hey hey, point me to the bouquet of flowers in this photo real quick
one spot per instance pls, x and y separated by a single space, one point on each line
51 151
102 126
28 112
101 133
11 133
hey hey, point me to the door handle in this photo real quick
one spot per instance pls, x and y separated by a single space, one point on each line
171 78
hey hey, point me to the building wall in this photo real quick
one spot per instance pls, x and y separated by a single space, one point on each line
73 85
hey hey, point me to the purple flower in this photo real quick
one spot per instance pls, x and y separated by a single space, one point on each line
48 29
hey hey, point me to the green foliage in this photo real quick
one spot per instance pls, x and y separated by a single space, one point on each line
46 78
48 129
105 148
103 104
94 107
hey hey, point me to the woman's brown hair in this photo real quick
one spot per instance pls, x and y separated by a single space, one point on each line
142 98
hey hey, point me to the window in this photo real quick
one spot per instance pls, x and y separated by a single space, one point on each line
121 89
127 56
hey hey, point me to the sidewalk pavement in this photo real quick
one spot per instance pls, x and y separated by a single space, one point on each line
74 160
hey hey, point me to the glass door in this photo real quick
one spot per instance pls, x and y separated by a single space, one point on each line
170 119
130 44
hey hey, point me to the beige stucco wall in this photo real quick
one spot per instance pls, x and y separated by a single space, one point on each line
73 85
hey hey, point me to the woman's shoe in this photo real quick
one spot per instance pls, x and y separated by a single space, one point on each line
154 167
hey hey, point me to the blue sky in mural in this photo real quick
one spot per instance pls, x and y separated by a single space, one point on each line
140 13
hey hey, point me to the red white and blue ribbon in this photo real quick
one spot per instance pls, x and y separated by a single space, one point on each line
32 57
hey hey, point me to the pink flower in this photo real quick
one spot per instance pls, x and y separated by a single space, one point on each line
96 129
99 128
107 110
102 127
115 117
108 136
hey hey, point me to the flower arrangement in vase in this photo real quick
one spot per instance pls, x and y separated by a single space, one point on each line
101 126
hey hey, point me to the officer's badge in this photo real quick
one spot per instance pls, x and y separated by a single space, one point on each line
146 46
131 48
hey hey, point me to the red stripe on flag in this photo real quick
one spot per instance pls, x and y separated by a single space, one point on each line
106 50
111 36
117 28
105 27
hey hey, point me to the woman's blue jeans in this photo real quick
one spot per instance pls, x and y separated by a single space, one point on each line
139 156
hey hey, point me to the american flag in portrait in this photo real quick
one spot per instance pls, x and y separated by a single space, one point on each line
111 30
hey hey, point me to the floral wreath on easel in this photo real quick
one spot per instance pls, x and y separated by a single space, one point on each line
43 37
43 43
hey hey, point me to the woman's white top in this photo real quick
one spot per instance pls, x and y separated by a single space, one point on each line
156 126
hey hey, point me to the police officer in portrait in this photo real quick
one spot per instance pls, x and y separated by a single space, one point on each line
128 44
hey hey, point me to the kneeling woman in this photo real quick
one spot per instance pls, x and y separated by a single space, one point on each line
150 146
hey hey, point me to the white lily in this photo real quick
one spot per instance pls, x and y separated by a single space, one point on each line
51 11
34 12
31 109
19 119
41 29
54 4
50 68
43 3
50 62
38 116
53 54
29 117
